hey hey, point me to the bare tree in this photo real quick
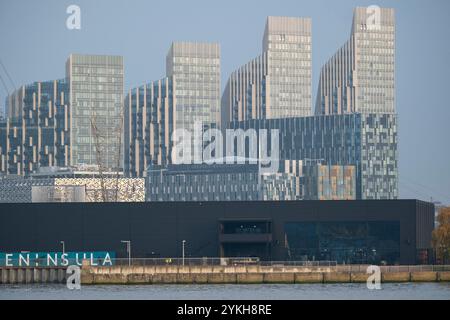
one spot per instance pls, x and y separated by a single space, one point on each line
119 133
100 142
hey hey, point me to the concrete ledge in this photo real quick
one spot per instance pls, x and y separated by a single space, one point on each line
206 274
240 269
336 277
172 269
249 278
114 278
139 278
191 278
229 269
253 269
168 278
279 277
358 277
201 278
424 276
395 277
208 269
309 277
125 270
87 278
199 269
217 269
221 278
444 276
149 269
160 269
186 269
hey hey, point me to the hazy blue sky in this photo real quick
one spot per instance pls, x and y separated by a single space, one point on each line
35 43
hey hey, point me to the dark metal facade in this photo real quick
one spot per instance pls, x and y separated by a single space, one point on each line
158 229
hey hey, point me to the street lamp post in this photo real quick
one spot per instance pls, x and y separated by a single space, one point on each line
63 244
184 243
128 242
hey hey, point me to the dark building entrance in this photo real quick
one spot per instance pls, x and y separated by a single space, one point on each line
245 238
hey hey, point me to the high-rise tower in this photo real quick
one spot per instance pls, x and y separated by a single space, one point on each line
277 84
187 97
195 68
360 77
96 102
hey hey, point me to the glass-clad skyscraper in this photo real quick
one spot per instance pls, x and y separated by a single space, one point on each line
360 77
366 141
187 97
276 84
37 134
148 124
195 68
287 41
70 122
96 100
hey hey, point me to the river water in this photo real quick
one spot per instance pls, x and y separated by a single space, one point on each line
346 291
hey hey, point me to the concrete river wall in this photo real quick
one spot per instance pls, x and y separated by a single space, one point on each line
18 275
243 275
91 275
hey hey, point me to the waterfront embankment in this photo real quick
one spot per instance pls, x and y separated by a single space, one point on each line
215 274
28 275
91 275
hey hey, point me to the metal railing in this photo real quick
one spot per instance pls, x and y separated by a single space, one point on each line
387 269
207 261
299 263
332 265
239 261
215 261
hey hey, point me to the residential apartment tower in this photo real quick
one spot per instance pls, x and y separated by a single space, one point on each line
276 84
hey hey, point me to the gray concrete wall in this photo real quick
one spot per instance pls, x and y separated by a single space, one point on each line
208 275
16 275
242 275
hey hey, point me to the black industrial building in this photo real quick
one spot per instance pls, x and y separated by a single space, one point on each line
358 231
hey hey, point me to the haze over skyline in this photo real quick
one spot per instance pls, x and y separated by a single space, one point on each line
36 43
